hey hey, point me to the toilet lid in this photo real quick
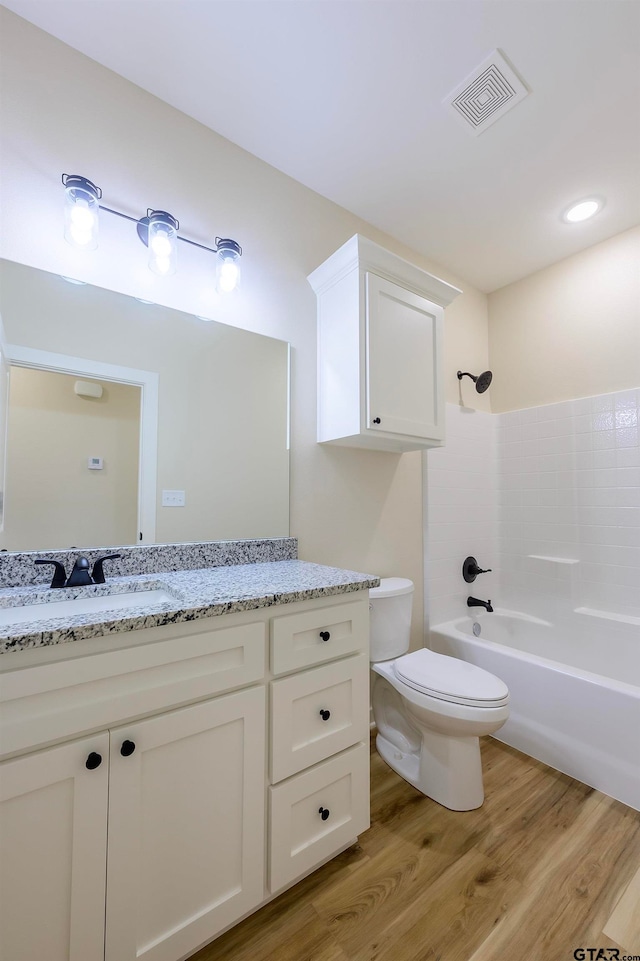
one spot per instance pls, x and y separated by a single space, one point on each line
451 679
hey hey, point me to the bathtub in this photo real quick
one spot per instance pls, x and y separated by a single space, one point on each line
575 693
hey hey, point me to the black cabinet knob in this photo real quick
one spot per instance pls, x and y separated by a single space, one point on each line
325 715
93 761
376 420
127 748
325 635
324 813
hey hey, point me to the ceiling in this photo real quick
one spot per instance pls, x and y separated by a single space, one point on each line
346 97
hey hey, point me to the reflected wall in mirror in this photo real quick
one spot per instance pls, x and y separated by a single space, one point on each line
70 454
222 421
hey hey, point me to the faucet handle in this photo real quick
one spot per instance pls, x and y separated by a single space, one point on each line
470 569
59 575
97 573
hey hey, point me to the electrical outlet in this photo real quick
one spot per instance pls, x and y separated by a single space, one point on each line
173 498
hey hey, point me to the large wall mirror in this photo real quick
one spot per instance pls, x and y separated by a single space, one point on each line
92 372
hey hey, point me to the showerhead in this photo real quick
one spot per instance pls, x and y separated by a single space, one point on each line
482 381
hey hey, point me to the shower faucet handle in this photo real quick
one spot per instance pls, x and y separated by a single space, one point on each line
470 569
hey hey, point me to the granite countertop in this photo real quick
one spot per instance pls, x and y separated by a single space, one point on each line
194 594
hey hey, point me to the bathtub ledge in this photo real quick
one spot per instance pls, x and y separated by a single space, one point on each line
608 616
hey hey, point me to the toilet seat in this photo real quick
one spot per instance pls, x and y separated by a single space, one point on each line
450 679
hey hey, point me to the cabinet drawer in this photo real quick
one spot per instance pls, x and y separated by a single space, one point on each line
316 813
312 637
55 701
318 713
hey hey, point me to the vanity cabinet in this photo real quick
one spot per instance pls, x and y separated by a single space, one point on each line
179 797
168 784
380 350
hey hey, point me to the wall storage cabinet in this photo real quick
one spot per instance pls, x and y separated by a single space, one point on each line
380 350
148 838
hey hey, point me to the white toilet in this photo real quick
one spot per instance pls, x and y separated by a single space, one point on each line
429 709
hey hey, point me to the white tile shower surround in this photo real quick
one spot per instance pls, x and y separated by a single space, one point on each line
563 484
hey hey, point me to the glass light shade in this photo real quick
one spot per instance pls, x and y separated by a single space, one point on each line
227 266
81 212
163 243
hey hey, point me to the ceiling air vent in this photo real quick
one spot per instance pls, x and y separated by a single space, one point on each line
486 94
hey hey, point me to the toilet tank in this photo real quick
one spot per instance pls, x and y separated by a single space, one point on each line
390 608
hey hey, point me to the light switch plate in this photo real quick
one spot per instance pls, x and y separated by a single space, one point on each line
173 499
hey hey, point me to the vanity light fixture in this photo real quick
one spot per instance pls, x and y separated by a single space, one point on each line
158 231
582 210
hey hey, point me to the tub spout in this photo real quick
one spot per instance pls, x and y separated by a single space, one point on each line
476 602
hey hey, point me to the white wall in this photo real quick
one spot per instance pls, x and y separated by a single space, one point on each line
571 330
63 113
461 514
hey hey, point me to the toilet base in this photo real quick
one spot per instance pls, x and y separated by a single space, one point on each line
446 769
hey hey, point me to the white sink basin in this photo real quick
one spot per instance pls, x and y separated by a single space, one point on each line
10 616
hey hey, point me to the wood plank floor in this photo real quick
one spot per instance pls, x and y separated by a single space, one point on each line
534 874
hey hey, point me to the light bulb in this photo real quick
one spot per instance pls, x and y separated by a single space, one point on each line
162 240
162 265
81 216
228 277
161 245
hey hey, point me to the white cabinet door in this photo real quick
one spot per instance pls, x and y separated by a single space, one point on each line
404 361
53 837
186 826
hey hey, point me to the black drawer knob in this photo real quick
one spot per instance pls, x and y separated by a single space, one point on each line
325 715
127 749
324 813
376 420
93 761
325 635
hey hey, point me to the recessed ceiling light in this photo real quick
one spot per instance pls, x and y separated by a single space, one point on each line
582 210
72 280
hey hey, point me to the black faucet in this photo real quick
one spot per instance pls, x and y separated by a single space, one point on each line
476 602
80 576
